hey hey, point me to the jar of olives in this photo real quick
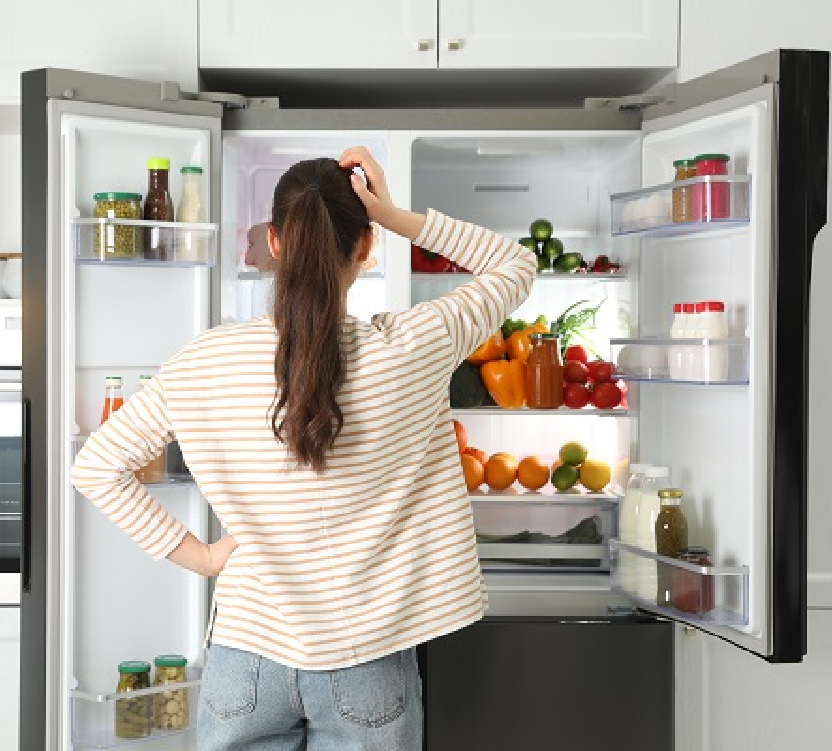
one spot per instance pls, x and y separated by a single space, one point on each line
134 716
171 707
112 240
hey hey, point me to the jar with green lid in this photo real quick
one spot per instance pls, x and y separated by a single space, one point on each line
117 240
170 711
682 197
134 716
671 537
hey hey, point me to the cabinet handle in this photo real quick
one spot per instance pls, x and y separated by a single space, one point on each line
454 45
424 45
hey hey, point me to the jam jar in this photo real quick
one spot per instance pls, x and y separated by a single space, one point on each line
693 591
544 373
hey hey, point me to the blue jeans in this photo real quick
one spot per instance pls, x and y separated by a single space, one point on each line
250 703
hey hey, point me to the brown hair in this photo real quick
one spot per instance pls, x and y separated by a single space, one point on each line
318 219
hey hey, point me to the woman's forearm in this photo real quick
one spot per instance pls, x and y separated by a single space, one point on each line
202 558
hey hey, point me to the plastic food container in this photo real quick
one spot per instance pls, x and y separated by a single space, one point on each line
117 240
711 200
171 710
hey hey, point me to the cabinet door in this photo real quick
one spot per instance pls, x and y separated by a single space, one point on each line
558 34
317 34
152 41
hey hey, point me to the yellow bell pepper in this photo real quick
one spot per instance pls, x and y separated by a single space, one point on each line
506 382
492 348
519 345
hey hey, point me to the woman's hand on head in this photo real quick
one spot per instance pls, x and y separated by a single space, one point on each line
373 193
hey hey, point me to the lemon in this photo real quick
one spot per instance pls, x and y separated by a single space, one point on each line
564 476
595 475
572 453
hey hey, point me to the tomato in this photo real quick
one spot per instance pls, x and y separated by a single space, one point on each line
575 395
575 352
600 371
575 372
606 395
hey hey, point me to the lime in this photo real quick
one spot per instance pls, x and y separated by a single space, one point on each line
529 242
595 475
552 247
564 476
541 229
573 453
543 264
568 262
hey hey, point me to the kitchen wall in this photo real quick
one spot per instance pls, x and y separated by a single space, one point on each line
727 699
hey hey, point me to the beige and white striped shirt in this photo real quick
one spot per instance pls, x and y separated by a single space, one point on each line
376 554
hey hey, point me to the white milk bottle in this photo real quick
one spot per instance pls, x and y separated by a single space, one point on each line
712 324
676 352
655 478
628 524
690 354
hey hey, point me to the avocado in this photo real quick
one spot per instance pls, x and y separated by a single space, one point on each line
568 262
541 229
552 247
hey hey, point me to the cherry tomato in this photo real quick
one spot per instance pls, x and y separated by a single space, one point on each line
575 352
575 395
601 371
575 372
606 395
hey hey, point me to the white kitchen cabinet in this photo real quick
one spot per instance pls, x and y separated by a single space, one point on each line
154 40
317 34
558 34
414 34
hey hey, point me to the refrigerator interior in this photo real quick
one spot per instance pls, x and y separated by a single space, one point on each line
253 162
122 319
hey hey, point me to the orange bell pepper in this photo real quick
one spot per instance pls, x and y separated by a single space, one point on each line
506 382
519 345
492 348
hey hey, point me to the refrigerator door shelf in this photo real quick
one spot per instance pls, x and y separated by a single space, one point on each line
699 361
546 497
709 595
94 715
121 242
709 202
559 412
456 278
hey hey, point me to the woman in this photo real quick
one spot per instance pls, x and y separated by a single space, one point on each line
324 444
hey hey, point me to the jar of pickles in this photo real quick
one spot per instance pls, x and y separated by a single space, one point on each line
134 716
682 197
111 240
170 711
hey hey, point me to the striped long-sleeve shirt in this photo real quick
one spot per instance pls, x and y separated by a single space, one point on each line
377 553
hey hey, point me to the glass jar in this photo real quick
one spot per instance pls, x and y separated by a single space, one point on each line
171 711
116 240
671 537
682 199
158 207
711 200
134 717
693 591
544 373
190 247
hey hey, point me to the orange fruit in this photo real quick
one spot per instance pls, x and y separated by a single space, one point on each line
477 454
461 436
473 470
501 470
533 473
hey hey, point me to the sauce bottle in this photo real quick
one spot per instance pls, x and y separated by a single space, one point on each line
158 207
191 209
113 399
671 537
544 373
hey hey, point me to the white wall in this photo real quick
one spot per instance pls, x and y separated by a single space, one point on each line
727 699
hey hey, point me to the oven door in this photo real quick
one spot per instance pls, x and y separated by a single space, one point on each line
10 485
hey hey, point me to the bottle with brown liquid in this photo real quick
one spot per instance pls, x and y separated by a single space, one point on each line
158 207
544 373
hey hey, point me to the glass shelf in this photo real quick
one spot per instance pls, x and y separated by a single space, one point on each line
709 595
699 361
714 202
121 242
94 715
560 412
576 276
545 497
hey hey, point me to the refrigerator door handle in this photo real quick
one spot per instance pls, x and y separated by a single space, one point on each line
26 542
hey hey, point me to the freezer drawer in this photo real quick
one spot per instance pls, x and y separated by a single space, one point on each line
541 683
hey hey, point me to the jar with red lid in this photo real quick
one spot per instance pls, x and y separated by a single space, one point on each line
711 199
693 591
544 373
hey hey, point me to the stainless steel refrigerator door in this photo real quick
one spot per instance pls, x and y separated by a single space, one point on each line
49 95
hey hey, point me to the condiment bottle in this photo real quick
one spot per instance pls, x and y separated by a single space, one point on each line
711 323
675 360
158 207
693 591
171 710
689 355
655 478
134 717
711 199
544 373
682 197
113 399
154 470
628 525
671 536
191 209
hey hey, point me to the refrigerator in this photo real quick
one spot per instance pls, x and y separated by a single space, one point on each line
736 447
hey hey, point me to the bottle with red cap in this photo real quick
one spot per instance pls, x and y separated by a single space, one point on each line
711 323
676 352
689 355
